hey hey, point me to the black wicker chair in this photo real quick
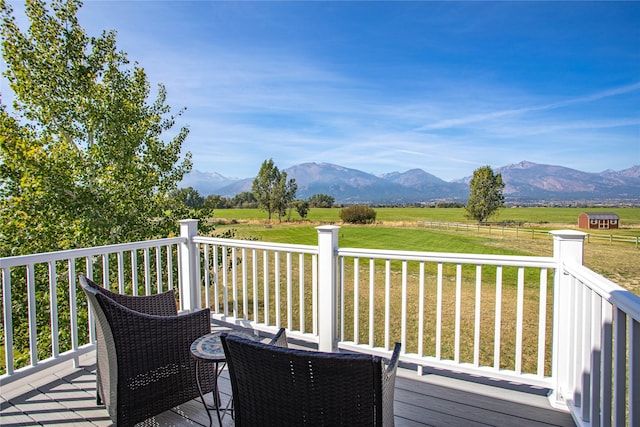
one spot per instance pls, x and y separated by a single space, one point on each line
274 385
144 365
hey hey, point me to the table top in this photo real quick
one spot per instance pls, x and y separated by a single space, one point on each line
209 347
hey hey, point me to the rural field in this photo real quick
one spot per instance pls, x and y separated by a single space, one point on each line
448 230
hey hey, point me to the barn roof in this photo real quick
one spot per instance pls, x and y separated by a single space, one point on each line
601 215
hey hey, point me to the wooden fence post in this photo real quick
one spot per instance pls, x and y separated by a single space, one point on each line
327 287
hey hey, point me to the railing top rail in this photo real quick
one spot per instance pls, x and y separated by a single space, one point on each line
625 300
20 260
253 244
457 258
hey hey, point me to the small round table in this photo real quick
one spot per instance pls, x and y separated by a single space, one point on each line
208 349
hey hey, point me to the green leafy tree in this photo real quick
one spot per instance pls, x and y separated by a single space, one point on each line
215 201
262 186
285 194
189 197
246 199
272 190
82 161
321 201
485 194
302 207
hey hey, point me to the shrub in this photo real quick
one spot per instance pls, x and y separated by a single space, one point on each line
358 214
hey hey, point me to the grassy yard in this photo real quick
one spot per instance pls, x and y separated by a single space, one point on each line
397 228
629 217
406 238
357 283
617 261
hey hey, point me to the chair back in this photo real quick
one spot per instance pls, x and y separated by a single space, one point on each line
279 386
106 367
163 304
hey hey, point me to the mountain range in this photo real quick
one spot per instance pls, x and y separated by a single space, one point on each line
525 182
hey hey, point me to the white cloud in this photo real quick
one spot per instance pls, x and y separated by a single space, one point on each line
510 112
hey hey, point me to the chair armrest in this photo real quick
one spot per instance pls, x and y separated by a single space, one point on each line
395 359
388 386
280 339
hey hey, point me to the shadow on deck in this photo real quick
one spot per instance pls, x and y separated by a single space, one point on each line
65 396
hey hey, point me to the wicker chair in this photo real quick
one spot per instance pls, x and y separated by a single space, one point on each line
274 385
144 365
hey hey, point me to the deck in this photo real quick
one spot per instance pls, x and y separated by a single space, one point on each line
65 396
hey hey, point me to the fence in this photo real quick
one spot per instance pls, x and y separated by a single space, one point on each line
523 232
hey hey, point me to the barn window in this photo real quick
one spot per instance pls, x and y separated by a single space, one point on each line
594 221
614 221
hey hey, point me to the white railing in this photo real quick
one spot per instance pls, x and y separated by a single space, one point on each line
46 282
475 289
259 284
599 376
544 321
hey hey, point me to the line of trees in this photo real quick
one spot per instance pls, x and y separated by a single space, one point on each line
206 205
191 198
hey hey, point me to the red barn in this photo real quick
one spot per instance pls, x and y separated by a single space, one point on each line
601 221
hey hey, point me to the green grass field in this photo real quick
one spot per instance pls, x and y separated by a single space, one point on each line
629 217
398 228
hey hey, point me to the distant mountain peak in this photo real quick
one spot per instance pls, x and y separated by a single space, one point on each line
527 180
524 181
523 165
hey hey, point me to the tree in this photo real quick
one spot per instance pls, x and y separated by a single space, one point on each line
272 190
302 207
262 186
215 201
82 161
485 194
321 201
189 197
284 195
246 199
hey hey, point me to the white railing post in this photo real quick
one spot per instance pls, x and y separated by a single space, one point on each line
327 287
568 245
189 278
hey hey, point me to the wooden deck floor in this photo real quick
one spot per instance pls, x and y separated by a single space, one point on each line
66 397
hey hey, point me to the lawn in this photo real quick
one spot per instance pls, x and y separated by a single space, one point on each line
617 261
416 238
528 217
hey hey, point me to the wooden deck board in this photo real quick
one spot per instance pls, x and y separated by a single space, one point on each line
471 401
65 396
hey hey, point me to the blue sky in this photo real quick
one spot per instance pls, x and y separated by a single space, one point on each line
390 86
